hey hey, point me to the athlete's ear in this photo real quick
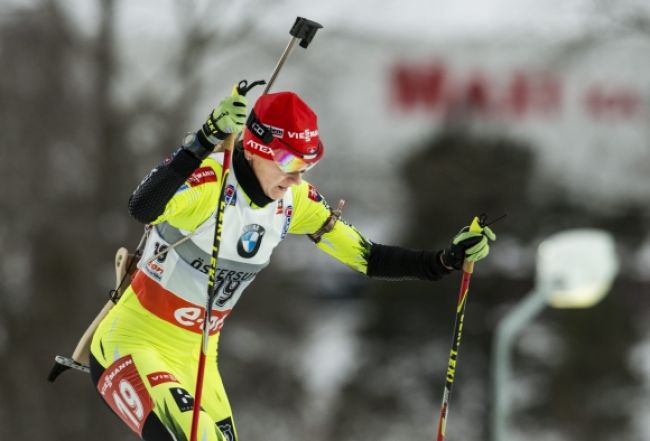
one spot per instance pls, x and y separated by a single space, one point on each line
248 155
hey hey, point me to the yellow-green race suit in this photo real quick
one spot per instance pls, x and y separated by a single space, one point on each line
145 352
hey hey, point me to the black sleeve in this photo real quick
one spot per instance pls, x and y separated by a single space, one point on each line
397 263
148 201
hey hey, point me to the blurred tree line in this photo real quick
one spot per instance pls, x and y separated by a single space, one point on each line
564 385
71 154
61 145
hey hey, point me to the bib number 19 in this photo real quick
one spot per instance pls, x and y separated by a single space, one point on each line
128 403
123 390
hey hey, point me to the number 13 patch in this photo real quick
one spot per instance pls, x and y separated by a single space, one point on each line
123 390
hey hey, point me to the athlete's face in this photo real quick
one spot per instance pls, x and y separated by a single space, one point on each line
273 180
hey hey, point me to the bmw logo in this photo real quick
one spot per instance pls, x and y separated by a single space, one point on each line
250 240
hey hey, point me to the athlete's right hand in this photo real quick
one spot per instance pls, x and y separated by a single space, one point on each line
228 117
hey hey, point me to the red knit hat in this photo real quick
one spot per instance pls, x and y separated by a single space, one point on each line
282 125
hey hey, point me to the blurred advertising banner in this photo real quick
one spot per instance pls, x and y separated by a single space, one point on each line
586 113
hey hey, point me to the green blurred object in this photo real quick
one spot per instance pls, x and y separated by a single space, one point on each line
574 269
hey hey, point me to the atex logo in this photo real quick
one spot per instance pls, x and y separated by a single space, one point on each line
261 147
307 134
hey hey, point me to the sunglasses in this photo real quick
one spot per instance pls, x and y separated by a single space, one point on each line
290 162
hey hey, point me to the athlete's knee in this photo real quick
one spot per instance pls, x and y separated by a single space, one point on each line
175 408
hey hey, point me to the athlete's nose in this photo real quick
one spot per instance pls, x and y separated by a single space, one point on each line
296 177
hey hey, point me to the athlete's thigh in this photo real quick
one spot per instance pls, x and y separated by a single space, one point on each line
142 373
145 391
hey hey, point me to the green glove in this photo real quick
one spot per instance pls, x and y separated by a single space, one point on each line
228 117
467 245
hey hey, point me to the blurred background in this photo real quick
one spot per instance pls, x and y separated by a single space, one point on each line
431 112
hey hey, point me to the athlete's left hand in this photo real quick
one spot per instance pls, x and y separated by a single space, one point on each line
467 245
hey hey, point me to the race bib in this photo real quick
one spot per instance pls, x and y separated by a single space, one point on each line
123 390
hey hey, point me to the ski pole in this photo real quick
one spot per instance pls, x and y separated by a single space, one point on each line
227 147
468 268
303 30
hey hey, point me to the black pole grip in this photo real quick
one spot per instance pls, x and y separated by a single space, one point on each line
305 30
243 87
